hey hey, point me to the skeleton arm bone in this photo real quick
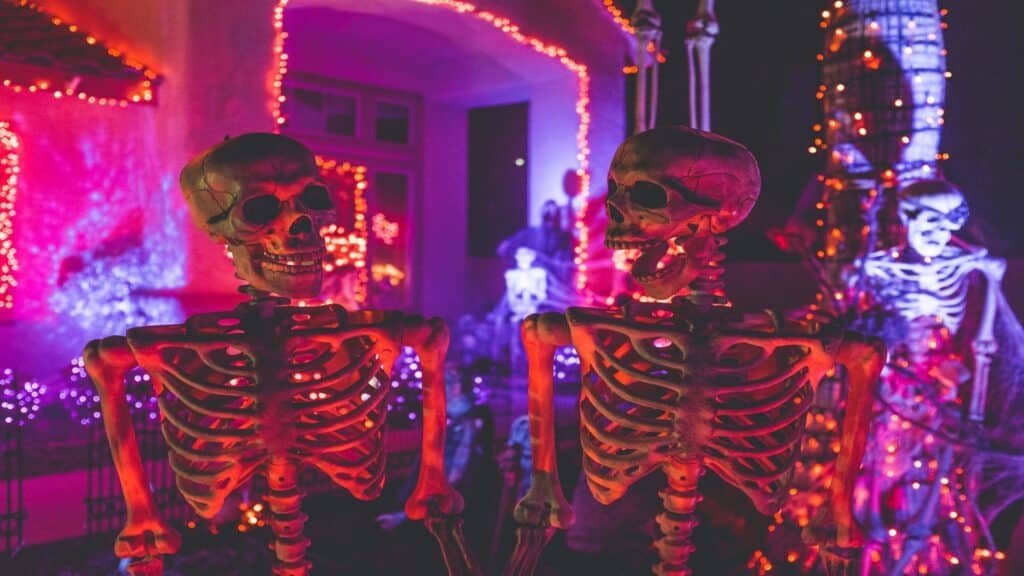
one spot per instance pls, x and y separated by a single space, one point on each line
863 359
544 504
430 339
145 534
984 345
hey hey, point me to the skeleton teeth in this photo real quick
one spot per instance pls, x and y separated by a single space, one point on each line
629 244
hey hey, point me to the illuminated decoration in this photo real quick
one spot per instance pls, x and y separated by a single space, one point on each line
567 365
81 401
617 15
223 418
405 403
9 173
526 286
345 248
387 273
758 374
941 463
20 399
513 31
384 230
252 515
46 55
883 92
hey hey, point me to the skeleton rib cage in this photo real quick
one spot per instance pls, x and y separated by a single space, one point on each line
235 390
729 390
945 281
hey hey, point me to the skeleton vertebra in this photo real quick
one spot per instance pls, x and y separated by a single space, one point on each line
689 384
269 388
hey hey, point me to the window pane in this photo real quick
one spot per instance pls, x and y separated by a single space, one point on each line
392 123
305 110
341 115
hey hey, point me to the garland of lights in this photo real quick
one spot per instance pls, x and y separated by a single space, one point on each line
19 399
9 169
82 401
506 26
141 93
861 142
348 248
859 133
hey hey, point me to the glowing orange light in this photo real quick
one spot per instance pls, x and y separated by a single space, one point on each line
513 32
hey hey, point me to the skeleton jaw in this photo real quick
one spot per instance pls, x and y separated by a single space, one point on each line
659 267
297 274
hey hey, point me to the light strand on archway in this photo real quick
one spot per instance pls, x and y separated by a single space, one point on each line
513 31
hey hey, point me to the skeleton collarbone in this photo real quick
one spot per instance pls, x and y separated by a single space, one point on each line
665 381
240 387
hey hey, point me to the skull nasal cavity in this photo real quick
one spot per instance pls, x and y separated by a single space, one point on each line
614 214
303 225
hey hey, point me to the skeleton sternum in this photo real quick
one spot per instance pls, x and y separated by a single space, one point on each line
235 391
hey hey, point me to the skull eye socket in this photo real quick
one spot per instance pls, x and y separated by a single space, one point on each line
648 195
316 197
261 210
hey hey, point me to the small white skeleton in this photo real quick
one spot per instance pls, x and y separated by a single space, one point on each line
926 283
929 277
526 285
687 384
269 387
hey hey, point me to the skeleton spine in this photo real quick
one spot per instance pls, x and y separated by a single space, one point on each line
678 520
286 517
708 288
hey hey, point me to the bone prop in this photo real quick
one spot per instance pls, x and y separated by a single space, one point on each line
679 519
984 345
145 536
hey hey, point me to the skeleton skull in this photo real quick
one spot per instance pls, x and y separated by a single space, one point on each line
669 190
262 195
931 210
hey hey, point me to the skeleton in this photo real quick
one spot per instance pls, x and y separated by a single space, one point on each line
687 384
930 277
926 284
269 387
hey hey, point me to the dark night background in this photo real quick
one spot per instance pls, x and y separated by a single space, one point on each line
763 78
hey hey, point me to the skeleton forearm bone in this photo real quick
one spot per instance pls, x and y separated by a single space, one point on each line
544 503
145 534
430 339
863 359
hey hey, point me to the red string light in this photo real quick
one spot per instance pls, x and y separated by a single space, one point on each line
9 155
514 32
22 77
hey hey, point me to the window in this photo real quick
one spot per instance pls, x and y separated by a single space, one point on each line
341 115
392 123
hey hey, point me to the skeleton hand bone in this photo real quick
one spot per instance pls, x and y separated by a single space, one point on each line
145 539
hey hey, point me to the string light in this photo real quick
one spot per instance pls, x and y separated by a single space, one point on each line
513 31
347 248
618 16
134 86
20 399
9 173
384 230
